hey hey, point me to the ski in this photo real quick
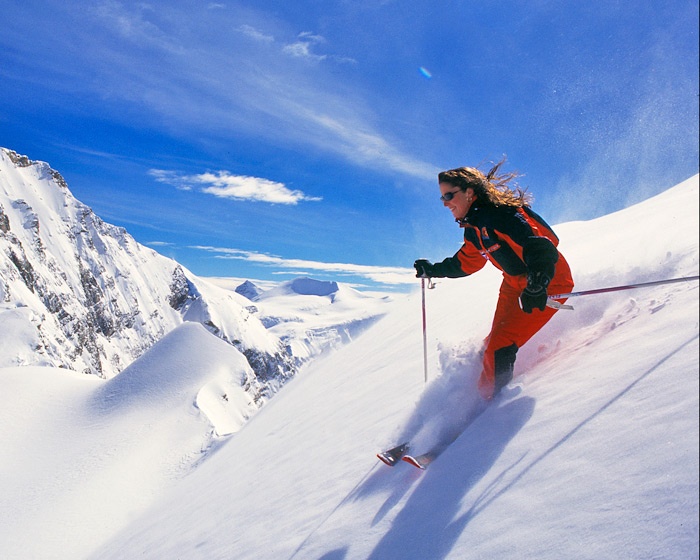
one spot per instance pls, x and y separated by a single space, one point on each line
420 461
392 456
401 452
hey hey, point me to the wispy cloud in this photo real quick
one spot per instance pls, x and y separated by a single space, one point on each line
367 147
216 73
255 34
136 27
250 82
393 275
302 47
305 45
181 182
238 187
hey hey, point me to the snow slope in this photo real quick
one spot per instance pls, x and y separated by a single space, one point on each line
592 453
81 455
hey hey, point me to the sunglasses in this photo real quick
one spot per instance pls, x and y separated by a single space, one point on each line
449 195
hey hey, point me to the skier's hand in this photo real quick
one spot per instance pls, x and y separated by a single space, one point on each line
424 268
534 295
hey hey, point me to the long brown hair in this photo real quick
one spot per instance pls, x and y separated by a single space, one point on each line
493 187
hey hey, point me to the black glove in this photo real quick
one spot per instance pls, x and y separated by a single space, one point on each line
424 268
534 295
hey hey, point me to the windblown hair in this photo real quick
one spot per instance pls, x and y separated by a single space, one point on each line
493 187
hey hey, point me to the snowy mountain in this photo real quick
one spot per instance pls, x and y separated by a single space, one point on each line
78 293
312 316
592 453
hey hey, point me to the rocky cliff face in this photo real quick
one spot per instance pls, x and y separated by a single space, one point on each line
79 293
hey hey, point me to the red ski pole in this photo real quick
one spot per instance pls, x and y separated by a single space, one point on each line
552 303
425 338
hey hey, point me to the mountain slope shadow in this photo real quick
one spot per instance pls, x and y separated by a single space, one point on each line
431 509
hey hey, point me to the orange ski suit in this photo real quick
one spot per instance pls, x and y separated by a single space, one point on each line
518 242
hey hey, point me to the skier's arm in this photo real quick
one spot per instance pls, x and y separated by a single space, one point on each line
463 263
540 255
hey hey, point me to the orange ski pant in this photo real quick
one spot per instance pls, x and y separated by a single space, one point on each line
512 327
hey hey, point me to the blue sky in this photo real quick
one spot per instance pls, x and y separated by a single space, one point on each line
274 139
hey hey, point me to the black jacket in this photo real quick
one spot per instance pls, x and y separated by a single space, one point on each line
516 240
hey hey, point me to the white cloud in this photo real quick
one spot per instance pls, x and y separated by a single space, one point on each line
225 185
367 147
135 26
302 48
171 178
253 33
239 187
380 274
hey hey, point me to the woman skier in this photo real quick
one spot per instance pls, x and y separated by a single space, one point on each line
500 227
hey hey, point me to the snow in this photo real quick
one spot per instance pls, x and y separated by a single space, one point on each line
81 454
591 453
19 341
312 316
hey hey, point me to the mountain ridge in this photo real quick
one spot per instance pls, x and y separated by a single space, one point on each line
79 293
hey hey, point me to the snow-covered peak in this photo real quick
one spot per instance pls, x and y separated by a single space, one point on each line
80 293
310 287
249 290
302 286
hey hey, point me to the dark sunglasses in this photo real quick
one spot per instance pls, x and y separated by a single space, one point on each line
449 195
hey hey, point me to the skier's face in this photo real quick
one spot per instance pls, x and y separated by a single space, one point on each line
457 200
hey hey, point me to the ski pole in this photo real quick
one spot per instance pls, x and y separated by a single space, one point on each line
431 285
557 305
425 338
